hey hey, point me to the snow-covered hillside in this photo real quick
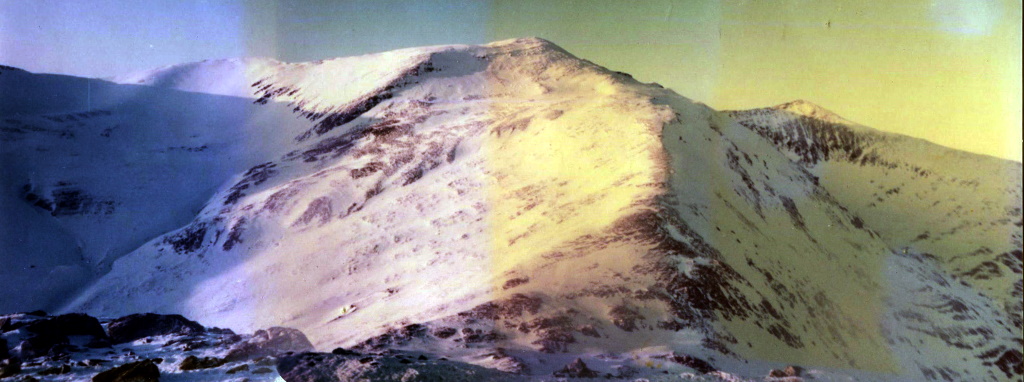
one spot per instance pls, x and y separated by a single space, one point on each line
512 206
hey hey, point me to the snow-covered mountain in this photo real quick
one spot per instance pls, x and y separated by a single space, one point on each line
509 204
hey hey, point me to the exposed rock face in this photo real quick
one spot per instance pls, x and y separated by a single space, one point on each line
270 342
74 324
9 367
195 363
142 371
53 349
576 369
132 327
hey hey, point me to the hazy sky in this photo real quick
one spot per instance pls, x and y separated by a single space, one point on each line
945 70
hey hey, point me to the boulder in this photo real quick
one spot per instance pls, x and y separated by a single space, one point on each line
6 324
10 367
142 371
270 342
576 369
74 324
195 363
788 372
40 344
238 369
132 327
694 363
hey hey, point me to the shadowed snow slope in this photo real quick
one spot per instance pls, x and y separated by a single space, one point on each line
460 198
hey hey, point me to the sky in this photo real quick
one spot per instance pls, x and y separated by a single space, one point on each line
948 71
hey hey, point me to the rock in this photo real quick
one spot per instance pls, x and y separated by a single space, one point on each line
788 372
320 367
142 371
9 367
576 369
793 371
4 353
263 370
236 369
40 344
694 363
74 324
270 342
195 363
132 327
343 351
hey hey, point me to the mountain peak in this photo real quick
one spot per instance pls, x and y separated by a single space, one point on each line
809 109
535 43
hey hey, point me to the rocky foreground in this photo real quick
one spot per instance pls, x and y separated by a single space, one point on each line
145 347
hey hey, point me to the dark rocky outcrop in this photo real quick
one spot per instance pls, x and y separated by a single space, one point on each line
270 342
195 363
10 367
788 372
576 369
694 363
142 371
73 324
40 345
132 327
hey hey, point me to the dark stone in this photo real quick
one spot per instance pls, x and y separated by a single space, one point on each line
343 351
270 342
10 367
694 363
789 371
74 324
444 332
142 371
4 354
576 369
132 327
195 363
37 313
793 371
237 369
7 324
40 344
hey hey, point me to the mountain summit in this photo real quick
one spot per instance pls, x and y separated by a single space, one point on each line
508 204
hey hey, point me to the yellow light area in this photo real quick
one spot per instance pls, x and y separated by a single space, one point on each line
945 71
559 179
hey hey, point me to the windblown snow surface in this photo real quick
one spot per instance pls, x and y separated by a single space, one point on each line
512 206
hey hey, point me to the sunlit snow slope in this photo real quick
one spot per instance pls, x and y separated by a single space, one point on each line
459 198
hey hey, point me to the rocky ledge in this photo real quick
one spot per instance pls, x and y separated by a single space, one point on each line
139 347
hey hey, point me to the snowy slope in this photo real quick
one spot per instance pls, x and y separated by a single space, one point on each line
956 214
460 199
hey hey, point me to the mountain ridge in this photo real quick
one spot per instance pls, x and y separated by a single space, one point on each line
523 166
